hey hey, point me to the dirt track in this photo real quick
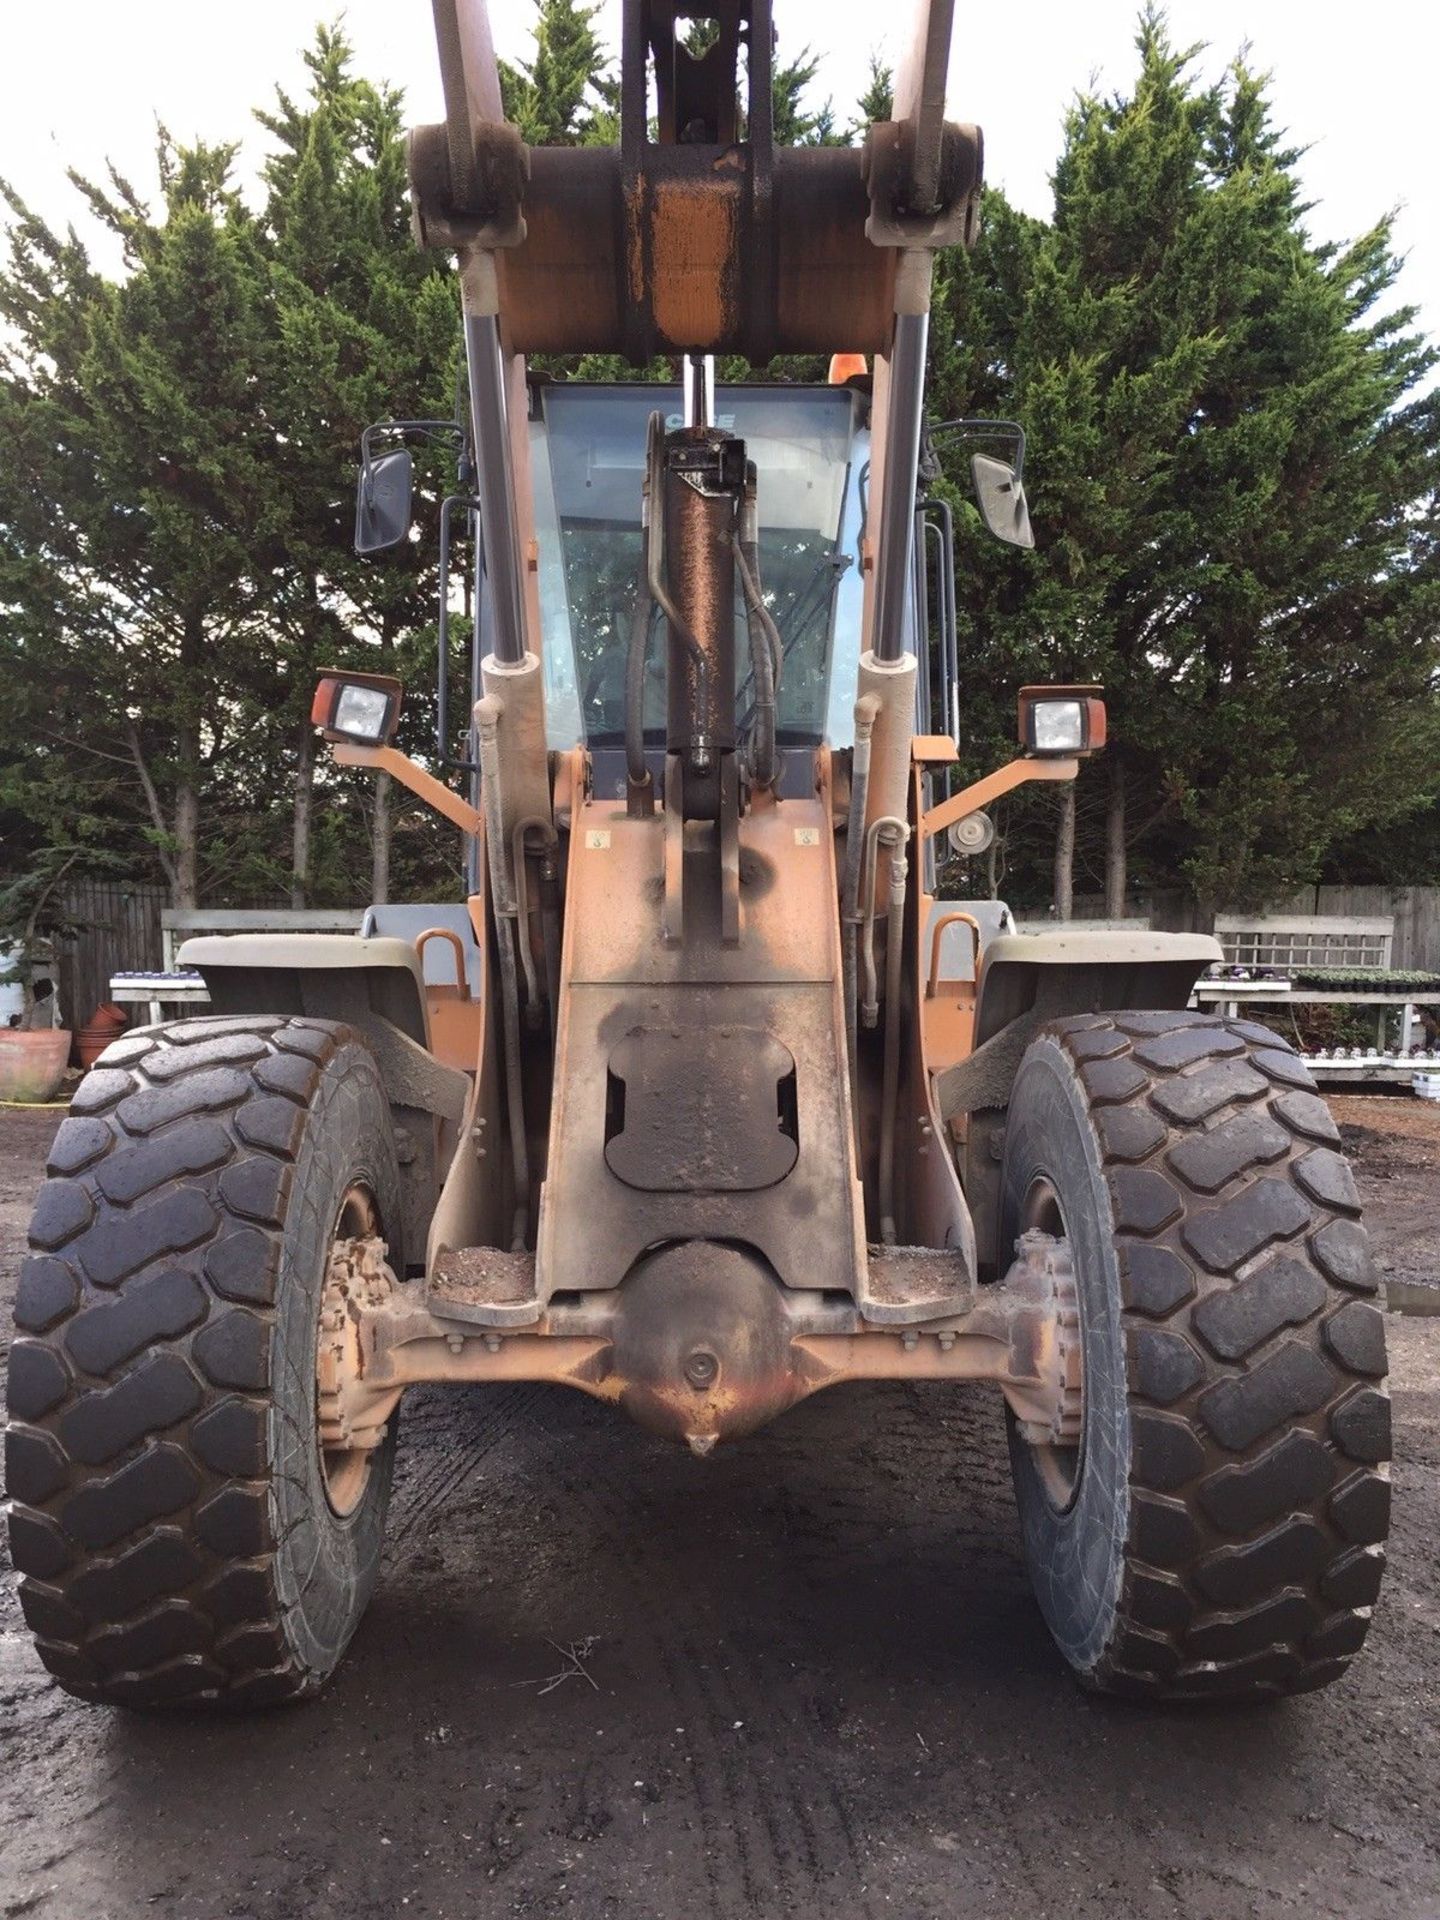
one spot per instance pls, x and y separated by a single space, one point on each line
820 1688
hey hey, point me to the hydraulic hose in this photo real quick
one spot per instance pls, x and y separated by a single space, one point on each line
488 713
893 831
765 649
550 931
866 709
890 1081
639 786
533 994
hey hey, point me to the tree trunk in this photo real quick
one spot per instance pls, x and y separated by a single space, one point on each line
185 888
1065 854
1115 837
163 827
380 843
304 806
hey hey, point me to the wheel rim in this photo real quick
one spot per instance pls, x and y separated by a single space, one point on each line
1059 1466
344 1469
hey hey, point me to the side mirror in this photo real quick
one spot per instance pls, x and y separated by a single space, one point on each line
1001 500
382 501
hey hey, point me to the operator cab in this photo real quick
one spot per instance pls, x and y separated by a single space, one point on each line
811 448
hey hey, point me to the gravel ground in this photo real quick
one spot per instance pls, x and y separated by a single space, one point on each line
809 1680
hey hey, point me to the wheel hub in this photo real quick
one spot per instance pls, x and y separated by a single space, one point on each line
350 1420
1050 1270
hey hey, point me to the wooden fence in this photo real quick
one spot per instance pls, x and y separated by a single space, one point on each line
116 930
125 926
1415 911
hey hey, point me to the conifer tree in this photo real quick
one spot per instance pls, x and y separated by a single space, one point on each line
133 490
877 102
565 96
175 514
367 330
1233 465
1228 468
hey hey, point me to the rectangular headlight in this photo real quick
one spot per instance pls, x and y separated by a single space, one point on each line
362 707
362 712
1062 721
1059 726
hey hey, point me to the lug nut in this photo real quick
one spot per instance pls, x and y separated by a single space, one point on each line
701 1370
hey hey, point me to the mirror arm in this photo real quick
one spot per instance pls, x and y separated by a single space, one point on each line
441 430
367 465
982 429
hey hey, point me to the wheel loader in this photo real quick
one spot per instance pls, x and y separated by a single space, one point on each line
704 1098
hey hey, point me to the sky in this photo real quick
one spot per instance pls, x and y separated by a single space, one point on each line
1357 90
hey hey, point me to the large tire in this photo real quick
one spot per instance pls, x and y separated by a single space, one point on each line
170 1511
1218 1531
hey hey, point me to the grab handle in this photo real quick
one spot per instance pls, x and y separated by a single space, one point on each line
948 920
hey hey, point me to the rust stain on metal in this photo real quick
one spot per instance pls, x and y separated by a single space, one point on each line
563 275
590 265
694 228
700 1343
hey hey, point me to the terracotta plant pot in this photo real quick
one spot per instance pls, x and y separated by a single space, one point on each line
32 1064
107 1023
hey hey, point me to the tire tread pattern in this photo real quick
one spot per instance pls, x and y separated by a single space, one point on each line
1259 1493
141 1523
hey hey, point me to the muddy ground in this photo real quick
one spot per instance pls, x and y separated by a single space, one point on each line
814 1683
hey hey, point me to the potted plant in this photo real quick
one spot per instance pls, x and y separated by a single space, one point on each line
34 1047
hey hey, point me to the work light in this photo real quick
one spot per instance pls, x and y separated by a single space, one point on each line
1061 720
363 707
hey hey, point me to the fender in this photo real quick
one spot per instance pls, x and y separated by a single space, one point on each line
333 976
1073 972
1027 980
377 986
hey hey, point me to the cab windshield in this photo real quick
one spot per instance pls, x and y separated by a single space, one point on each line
588 456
